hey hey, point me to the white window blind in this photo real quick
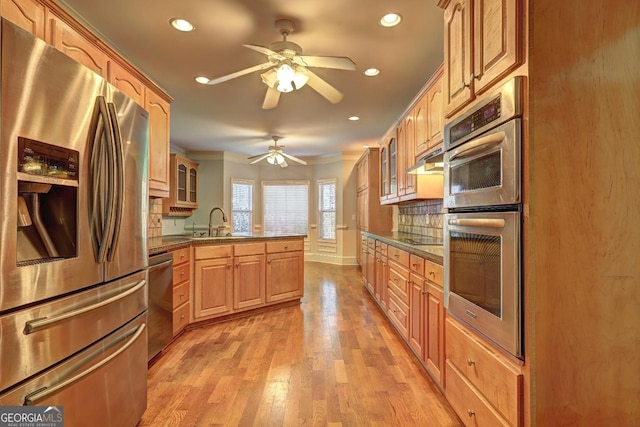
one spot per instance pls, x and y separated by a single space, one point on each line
241 206
286 207
327 207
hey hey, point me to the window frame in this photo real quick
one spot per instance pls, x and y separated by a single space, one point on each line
334 182
250 183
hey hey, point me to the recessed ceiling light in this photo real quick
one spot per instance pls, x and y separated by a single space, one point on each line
182 24
390 20
354 118
202 80
371 72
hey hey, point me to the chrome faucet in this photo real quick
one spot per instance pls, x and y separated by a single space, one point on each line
224 220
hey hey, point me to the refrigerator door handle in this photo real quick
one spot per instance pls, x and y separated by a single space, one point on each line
35 325
118 178
46 391
97 169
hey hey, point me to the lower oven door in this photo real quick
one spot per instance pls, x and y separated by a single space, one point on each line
482 274
103 385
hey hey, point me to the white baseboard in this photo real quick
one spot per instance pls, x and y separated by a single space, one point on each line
330 258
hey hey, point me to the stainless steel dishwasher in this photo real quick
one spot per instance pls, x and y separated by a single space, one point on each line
160 321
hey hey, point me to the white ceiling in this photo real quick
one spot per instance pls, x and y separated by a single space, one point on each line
229 116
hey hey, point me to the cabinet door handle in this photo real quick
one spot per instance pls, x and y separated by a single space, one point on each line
238 265
181 256
182 273
471 362
471 412
269 262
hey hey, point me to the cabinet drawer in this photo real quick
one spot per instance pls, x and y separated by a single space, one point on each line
382 247
470 406
181 255
285 246
434 272
180 294
180 318
496 379
248 249
399 282
416 264
216 251
371 243
399 256
398 313
181 274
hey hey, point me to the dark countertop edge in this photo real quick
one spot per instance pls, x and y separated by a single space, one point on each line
391 239
164 243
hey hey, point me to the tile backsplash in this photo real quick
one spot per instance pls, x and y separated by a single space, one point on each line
423 217
155 217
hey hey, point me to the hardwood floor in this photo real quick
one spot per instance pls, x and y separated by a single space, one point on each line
332 360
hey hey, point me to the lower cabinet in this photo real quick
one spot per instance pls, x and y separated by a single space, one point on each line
213 292
231 278
285 270
483 387
249 275
181 284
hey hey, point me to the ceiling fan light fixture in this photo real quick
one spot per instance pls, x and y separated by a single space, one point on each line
390 20
300 79
181 24
270 78
202 80
279 158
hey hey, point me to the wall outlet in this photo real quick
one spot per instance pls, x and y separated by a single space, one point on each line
353 217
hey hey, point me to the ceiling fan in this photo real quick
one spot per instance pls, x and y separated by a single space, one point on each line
288 69
276 156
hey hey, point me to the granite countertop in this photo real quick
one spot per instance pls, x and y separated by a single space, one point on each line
165 243
427 247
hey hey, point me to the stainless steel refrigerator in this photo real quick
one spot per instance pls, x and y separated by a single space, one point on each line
73 238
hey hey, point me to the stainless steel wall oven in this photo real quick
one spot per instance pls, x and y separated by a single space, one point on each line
483 224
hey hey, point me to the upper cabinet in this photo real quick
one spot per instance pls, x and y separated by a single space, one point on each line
47 20
71 42
183 194
482 45
27 14
429 117
158 109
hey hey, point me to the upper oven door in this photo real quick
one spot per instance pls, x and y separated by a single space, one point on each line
485 171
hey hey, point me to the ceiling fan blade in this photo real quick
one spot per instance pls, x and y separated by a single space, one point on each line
337 62
271 99
264 50
332 94
259 157
295 159
241 73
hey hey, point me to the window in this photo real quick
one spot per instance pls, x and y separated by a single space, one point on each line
327 208
286 207
241 205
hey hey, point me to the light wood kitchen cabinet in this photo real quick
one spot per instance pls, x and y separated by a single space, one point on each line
126 82
482 44
381 293
409 155
159 171
371 216
183 188
27 14
480 383
371 265
429 117
76 45
285 270
181 288
398 288
213 281
389 168
249 275
401 161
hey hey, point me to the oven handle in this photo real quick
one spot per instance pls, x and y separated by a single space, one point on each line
45 392
34 325
479 222
477 145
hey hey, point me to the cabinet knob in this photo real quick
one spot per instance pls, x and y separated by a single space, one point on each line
269 262
181 256
432 273
471 412
286 247
181 295
182 273
471 362
238 265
